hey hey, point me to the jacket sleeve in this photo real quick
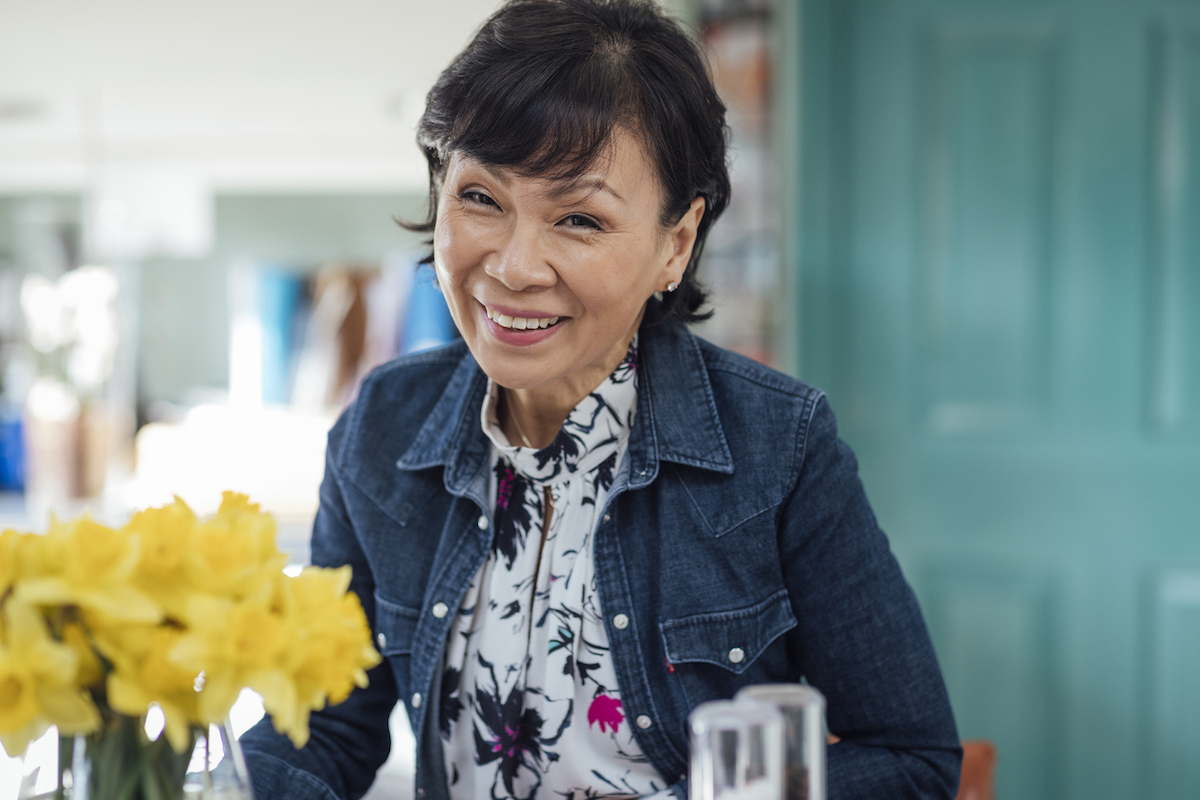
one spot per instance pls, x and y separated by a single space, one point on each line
861 639
349 741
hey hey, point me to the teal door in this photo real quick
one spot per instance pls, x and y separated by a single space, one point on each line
1000 257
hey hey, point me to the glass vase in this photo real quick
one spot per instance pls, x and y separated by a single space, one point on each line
803 709
736 751
123 762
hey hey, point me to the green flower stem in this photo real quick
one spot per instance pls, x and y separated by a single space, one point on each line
66 756
123 764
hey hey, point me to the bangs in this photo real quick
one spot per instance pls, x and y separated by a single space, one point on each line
544 85
546 119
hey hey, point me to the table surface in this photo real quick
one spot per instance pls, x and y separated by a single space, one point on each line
292 533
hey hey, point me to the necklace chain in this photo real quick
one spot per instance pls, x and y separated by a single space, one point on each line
517 422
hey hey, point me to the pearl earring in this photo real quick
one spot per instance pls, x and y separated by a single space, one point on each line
672 286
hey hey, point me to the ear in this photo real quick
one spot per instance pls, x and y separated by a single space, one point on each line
681 239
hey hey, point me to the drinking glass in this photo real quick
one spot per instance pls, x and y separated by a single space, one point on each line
737 751
803 710
122 762
217 770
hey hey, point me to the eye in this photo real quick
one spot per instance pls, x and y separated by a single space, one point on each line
580 221
476 196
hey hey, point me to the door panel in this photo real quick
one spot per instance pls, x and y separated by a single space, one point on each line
989 132
1000 261
995 626
1174 356
1175 706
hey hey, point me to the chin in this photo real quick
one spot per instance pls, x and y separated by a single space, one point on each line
513 378
508 374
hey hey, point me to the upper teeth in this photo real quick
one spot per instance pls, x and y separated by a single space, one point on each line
520 323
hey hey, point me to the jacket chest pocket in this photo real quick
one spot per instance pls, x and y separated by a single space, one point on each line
395 628
713 655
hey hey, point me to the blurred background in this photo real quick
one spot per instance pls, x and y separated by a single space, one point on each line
974 223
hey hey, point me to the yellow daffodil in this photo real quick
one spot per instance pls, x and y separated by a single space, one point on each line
96 567
18 703
38 555
336 645
236 502
165 536
9 565
233 553
90 672
235 645
172 611
37 683
238 511
330 653
144 674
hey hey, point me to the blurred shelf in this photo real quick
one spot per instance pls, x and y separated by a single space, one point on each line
12 511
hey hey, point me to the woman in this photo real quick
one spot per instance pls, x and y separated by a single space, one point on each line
582 521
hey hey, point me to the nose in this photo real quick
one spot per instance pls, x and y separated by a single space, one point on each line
520 261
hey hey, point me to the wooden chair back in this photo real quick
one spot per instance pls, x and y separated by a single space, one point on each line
978 771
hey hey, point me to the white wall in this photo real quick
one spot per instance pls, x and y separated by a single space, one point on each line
262 94
258 95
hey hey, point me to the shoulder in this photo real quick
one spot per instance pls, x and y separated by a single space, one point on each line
394 401
756 425
761 406
747 374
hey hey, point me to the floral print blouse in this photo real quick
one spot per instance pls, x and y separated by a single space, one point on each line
530 702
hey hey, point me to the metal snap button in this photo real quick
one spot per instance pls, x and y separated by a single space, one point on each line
381 640
607 517
421 792
644 722
416 700
440 610
483 522
736 655
620 622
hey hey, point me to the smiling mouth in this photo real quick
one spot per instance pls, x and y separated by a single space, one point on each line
520 323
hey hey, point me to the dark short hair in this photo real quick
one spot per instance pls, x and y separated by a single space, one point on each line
542 87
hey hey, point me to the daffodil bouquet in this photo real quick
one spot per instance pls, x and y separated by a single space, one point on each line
100 624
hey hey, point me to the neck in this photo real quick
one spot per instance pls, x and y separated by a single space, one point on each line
535 415
533 421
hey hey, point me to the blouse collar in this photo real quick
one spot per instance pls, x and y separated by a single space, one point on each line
593 433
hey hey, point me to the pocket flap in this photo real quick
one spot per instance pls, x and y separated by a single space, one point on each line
395 627
729 639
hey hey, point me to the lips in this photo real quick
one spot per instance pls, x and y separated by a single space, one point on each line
518 323
504 327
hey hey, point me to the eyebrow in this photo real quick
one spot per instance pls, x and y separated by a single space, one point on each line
596 184
495 171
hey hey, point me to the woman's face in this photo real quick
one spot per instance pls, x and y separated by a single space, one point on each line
547 278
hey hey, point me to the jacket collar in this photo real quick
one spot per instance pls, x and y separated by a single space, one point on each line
676 421
677 416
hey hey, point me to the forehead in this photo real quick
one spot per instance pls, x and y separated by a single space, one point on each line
622 168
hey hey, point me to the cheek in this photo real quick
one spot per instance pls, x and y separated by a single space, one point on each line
462 242
444 241
451 266
628 285
453 253
612 302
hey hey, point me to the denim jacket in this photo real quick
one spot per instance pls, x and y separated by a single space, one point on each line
737 547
